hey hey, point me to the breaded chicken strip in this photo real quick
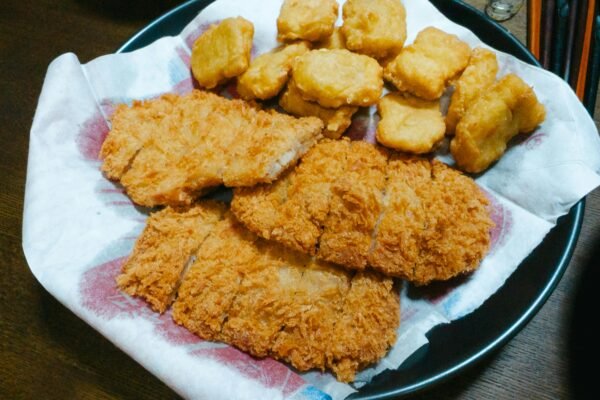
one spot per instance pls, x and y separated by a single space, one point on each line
165 248
187 144
294 209
507 108
338 77
409 124
424 67
262 298
222 52
310 20
406 217
268 73
376 28
476 78
336 120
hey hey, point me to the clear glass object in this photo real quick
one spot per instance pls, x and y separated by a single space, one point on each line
501 10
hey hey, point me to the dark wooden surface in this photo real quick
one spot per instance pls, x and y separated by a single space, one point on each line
46 352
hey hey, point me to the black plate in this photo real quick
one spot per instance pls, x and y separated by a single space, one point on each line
464 342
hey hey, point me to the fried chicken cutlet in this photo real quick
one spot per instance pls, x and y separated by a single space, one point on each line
406 217
170 150
261 297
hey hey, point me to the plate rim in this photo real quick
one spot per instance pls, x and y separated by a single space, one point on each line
574 217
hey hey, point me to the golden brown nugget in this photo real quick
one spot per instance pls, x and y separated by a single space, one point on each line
268 73
376 28
436 226
310 20
409 124
476 78
293 210
336 120
202 141
335 41
424 67
355 207
361 339
222 52
161 254
415 225
320 298
213 281
507 108
334 78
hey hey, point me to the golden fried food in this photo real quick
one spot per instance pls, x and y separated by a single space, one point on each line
476 78
507 108
409 124
338 77
222 52
425 67
336 120
269 72
310 20
167 151
163 251
376 28
406 217
335 41
226 284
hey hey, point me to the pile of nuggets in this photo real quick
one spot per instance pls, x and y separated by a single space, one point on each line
304 264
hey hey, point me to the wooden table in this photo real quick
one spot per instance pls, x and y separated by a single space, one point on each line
46 352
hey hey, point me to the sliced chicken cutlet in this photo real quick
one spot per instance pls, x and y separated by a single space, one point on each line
294 209
164 250
263 298
406 217
168 151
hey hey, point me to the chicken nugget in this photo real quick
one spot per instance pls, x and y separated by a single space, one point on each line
336 120
310 20
222 52
425 67
507 108
376 28
338 77
409 124
476 78
335 41
269 72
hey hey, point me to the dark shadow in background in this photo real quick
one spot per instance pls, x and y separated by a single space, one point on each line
583 337
130 9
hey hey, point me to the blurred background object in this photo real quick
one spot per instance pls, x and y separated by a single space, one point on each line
501 10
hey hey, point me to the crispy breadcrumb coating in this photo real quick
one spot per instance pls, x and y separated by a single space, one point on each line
376 28
168 151
222 52
476 78
310 20
507 108
425 67
406 217
263 298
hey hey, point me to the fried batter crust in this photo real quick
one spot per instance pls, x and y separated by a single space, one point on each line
222 52
508 107
476 78
425 67
186 144
376 28
310 20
